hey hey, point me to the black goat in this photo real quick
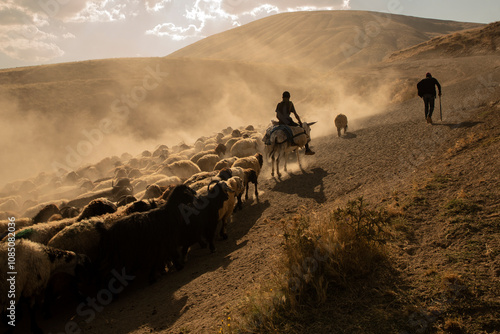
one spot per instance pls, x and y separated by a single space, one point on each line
145 241
201 216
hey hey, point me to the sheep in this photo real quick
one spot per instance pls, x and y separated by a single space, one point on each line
19 224
153 191
247 175
161 150
146 241
227 130
34 210
199 145
219 150
45 213
42 233
69 212
202 179
341 123
122 187
82 237
35 265
124 200
254 162
89 172
183 169
176 157
10 203
225 163
208 162
134 173
244 147
42 216
97 207
235 188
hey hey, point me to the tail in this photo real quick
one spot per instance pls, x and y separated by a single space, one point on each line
273 148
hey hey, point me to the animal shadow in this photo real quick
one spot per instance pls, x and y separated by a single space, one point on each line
305 185
349 135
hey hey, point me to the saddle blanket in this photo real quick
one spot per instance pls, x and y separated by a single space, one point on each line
270 130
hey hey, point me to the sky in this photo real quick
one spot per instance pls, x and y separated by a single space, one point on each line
36 32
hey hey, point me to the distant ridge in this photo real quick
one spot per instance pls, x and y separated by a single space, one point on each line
322 39
478 41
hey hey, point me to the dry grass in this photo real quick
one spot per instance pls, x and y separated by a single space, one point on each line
321 253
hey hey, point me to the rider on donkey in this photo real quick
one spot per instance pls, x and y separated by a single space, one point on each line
283 110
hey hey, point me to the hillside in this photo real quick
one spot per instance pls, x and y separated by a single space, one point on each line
321 40
439 182
478 41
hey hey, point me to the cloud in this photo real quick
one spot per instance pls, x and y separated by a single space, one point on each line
206 17
175 32
156 5
33 50
101 11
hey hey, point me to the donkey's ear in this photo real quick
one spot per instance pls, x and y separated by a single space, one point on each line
312 123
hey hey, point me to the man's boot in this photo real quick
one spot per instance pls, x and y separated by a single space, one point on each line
309 151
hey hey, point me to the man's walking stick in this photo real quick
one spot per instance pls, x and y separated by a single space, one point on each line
440 109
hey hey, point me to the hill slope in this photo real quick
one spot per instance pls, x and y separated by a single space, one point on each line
321 40
478 41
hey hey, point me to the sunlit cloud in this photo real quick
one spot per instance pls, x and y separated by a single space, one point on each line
101 11
53 23
156 6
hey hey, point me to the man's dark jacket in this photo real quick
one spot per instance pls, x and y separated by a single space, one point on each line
427 86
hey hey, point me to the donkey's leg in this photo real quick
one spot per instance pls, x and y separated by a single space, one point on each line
285 154
272 164
298 159
278 164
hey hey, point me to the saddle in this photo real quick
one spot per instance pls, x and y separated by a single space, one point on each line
275 127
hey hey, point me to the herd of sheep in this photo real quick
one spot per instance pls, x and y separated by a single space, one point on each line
65 230
77 227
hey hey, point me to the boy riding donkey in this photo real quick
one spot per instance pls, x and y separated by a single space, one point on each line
283 111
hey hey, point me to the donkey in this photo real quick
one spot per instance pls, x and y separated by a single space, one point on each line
281 145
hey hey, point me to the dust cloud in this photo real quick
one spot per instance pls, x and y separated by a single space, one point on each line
77 114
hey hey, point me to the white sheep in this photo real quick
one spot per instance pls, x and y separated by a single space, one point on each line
81 237
225 163
341 123
176 157
245 147
35 265
208 162
253 162
247 175
183 169
42 233
219 150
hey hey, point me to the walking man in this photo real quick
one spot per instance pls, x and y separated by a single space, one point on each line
427 90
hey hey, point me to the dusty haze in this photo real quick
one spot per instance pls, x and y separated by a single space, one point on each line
72 114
